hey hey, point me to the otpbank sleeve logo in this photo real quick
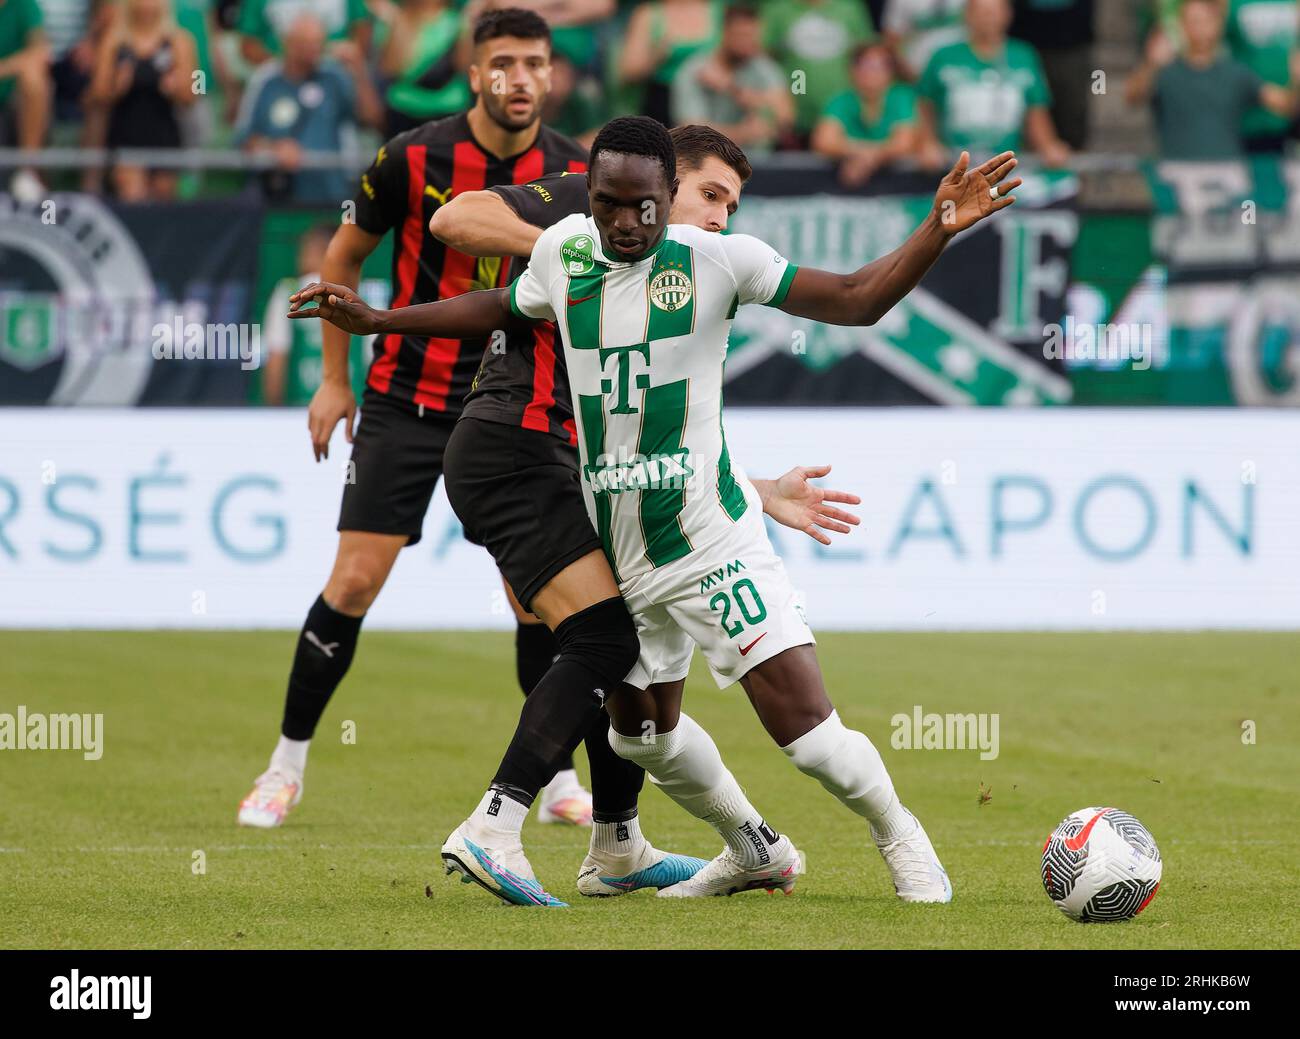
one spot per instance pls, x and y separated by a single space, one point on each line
576 255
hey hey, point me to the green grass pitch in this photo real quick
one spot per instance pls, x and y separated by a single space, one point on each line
101 854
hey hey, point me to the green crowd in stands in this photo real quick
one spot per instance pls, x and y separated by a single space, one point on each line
867 83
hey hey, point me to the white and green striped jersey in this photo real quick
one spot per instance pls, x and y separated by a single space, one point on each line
644 344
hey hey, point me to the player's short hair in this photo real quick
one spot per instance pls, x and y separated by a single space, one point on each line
636 135
511 21
694 143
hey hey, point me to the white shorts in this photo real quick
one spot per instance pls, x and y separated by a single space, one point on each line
734 600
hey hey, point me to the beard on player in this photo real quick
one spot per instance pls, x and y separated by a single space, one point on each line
511 77
515 111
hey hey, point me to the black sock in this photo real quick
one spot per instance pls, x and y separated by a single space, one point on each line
535 652
325 649
615 783
598 647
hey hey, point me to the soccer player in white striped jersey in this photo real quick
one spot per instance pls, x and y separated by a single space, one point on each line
644 309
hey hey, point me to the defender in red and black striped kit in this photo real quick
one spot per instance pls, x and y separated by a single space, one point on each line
412 376
416 385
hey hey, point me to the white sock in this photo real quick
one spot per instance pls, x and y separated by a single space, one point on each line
291 756
564 780
895 821
498 812
846 763
686 765
617 838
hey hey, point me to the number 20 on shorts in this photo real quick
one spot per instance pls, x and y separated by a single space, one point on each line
744 597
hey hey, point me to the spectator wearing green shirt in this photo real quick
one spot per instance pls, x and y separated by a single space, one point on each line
263 23
735 88
25 88
1202 96
915 29
987 95
1263 35
871 126
424 59
814 41
661 37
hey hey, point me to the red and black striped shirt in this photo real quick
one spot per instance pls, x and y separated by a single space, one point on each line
525 383
413 174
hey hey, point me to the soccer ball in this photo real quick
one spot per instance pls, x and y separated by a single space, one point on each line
1101 865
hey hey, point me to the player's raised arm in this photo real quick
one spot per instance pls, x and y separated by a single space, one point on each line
472 315
965 197
481 223
507 220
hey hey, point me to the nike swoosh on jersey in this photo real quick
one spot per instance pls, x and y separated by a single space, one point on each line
746 649
574 302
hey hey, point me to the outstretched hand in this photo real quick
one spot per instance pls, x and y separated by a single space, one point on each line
337 304
794 501
966 196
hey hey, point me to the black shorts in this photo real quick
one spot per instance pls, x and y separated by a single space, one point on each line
396 462
517 493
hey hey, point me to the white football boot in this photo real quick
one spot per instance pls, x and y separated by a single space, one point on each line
274 793
495 861
726 875
564 800
918 874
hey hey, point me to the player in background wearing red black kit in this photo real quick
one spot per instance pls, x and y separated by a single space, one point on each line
415 387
